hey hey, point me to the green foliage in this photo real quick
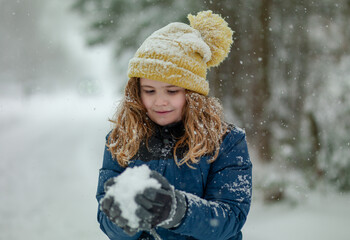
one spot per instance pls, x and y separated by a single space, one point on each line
126 23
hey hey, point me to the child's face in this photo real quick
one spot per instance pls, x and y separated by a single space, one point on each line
164 102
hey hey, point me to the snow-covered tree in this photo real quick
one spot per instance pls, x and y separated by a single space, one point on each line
126 23
282 80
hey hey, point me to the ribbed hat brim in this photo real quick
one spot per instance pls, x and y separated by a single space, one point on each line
168 72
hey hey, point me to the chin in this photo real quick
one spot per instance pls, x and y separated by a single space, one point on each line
163 122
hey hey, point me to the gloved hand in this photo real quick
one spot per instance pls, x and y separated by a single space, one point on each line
164 207
113 212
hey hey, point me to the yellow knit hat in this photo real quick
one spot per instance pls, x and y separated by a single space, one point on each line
180 54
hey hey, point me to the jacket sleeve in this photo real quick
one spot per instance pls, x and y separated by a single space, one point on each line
110 168
223 210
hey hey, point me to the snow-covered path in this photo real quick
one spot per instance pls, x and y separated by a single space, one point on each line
51 149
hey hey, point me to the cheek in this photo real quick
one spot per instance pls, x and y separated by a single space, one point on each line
145 101
181 102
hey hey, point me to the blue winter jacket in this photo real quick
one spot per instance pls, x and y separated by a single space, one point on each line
218 194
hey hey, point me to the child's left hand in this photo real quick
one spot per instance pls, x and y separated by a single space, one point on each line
164 206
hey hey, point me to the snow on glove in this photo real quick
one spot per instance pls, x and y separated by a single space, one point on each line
113 212
164 207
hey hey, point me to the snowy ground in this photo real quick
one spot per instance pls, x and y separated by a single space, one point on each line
51 149
321 216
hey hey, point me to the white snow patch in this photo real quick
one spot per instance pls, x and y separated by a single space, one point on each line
172 40
241 187
130 183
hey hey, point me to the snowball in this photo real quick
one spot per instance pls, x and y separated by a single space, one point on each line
128 184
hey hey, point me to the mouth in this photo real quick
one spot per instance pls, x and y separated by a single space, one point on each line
162 112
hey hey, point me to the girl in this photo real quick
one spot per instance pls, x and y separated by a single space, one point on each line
167 122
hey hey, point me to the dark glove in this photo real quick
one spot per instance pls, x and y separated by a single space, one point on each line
164 207
112 210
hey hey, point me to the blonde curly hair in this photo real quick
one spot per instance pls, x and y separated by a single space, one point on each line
202 118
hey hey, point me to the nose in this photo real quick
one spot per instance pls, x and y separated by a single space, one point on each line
160 100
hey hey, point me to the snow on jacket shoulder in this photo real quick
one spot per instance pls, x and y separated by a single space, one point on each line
218 194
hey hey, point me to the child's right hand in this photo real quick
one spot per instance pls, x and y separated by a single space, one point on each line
113 212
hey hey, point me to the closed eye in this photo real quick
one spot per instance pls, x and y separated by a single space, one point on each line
148 91
173 91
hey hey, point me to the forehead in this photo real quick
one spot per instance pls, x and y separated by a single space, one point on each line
153 83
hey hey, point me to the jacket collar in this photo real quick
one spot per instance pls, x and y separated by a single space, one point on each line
170 131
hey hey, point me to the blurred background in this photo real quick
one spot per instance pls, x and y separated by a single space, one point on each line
286 82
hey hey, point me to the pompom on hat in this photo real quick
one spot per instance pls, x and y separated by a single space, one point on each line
179 54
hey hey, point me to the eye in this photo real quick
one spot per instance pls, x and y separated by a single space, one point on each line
173 91
147 91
